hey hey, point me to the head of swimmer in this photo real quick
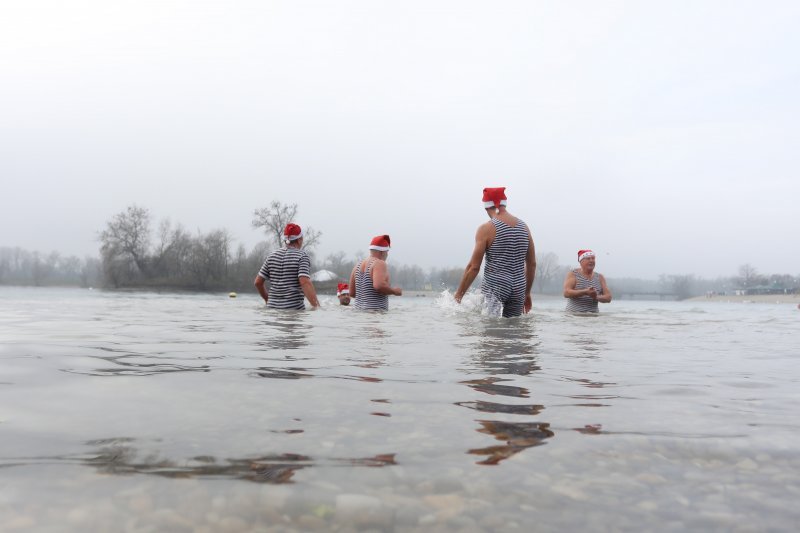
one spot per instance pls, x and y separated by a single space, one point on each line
344 299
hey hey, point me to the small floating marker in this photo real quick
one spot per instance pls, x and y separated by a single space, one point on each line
232 295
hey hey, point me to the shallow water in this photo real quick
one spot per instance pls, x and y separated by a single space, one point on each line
172 412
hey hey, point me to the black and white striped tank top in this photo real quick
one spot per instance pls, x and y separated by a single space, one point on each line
366 295
282 269
505 258
585 304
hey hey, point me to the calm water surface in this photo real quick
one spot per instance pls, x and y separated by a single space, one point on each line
167 412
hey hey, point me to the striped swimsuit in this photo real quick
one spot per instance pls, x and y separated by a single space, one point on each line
283 269
504 274
585 304
366 296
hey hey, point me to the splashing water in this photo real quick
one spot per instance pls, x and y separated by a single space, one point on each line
474 302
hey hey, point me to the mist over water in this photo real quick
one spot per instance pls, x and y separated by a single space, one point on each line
129 411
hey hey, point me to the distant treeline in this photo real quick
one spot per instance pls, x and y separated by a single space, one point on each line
23 267
135 255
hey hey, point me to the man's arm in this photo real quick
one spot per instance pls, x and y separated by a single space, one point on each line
474 265
262 289
380 280
571 292
309 291
530 272
352 287
606 296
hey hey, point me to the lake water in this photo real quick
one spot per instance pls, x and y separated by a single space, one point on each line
169 412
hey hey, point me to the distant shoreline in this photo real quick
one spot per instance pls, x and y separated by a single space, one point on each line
752 298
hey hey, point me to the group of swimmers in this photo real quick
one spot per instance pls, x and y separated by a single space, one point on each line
505 241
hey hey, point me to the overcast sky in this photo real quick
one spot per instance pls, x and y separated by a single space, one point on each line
664 135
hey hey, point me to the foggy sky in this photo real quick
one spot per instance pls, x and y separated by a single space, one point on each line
662 135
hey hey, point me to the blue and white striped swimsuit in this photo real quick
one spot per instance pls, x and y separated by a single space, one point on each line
366 296
504 274
283 269
585 304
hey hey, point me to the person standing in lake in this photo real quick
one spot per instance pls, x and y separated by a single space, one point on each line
289 273
584 287
510 254
369 281
343 293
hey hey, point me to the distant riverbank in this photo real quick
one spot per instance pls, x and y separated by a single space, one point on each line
752 298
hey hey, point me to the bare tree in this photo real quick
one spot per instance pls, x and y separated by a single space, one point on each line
128 234
273 220
683 286
546 270
338 263
748 276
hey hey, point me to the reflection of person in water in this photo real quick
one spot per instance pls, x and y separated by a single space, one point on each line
507 348
343 293
285 331
504 349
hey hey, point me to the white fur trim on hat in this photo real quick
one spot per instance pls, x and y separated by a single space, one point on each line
487 205
292 238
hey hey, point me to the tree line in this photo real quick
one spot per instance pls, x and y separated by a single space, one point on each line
135 252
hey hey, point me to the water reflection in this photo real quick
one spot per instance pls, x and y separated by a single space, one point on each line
119 456
508 348
126 363
587 344
285 330
490 407
505 346
517 435
281 373
489 386
370 351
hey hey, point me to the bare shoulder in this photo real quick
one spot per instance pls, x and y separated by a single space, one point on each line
486 229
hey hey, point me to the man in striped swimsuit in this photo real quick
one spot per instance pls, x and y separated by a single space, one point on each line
510 254
369 281
584 287
289 273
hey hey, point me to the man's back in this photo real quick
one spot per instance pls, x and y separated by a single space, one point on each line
283 269
505 257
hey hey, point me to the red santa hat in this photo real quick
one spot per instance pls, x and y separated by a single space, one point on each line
292 232
342 288
381 243
584 254
494 197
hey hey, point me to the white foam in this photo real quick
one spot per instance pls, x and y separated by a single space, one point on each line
473 303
